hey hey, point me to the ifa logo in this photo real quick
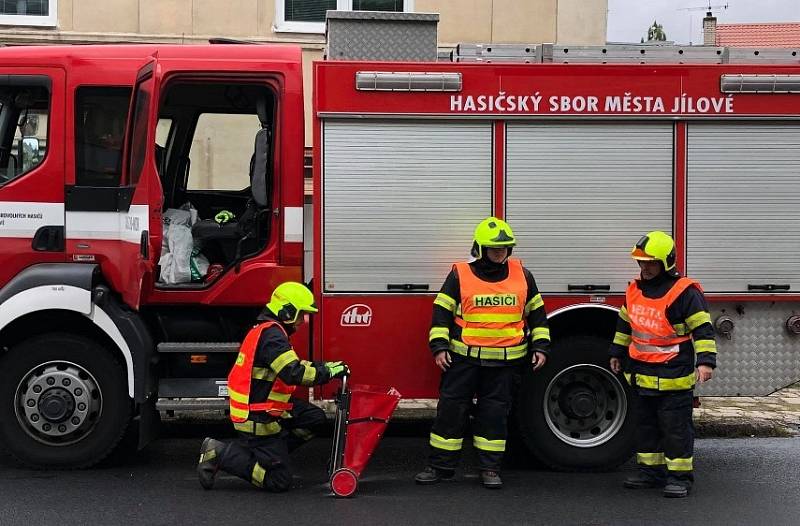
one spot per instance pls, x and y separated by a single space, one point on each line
358 315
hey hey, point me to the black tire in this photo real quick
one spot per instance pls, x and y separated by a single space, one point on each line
574 414
63 401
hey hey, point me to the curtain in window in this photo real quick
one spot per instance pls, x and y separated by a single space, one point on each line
378 5
26 7
307 10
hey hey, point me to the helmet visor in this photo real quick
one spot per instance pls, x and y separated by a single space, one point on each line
640 255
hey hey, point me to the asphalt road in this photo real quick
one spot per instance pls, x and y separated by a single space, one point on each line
740 481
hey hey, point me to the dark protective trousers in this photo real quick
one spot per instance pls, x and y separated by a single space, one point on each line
665 436
459 385
264 460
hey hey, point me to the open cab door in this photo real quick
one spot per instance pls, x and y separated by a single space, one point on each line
141 230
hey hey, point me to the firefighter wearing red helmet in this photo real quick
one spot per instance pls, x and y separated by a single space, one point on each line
269 421
487 319
664 343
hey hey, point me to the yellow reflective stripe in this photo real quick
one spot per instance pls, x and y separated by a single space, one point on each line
488 445
534 304
211 454
677 384
492 318
650 459
239 413
258 428
623 313
448 444
257 477
679 464
540 333
488 333
237 396
439 332
279 397
620 338
459 348
697 319
260 373
681 329
283 360
705 346
489 353
309 373
445 301
647 381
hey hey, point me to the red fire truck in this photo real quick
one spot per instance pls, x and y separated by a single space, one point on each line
581 158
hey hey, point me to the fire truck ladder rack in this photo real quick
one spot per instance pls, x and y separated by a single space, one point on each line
621 54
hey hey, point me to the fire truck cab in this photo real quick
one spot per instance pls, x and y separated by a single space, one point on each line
102 147
92 334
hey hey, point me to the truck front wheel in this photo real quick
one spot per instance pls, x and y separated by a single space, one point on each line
63 401
574 414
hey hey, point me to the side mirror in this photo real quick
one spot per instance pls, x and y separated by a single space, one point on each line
30 153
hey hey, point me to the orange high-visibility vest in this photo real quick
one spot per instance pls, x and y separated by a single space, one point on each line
241 375
653 338
492 314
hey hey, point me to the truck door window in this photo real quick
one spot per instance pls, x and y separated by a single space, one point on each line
100 117
138 138
220 153
24 119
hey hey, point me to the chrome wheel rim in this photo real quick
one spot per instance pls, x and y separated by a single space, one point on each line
585 405
58 403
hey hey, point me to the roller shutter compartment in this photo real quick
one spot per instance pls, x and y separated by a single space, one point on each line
579 195
400 200
743 212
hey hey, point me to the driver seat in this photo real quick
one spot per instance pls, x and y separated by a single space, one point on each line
230 236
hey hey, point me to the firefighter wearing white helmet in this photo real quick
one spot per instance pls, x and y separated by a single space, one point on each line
664 343
269 421
488 318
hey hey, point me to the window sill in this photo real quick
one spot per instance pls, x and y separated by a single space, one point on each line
28 20
300 27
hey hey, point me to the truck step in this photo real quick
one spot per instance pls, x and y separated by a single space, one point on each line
193 388
198 347
192 404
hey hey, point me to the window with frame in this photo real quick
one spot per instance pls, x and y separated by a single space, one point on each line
308 16
29 12
221 150
24 120
101 114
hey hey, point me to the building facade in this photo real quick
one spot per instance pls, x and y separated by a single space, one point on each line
291 21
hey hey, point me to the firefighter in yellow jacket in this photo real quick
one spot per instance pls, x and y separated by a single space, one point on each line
269 421
488 318
664 343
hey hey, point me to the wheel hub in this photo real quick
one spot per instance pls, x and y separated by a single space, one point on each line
58 403
580 402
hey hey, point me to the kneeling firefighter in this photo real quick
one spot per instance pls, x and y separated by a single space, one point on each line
269 421
664 342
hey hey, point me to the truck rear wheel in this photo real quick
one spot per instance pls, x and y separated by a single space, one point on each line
574 414
63 401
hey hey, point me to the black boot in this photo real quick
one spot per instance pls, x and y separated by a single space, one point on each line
642 481
491 480
675 490
210 454
431 475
